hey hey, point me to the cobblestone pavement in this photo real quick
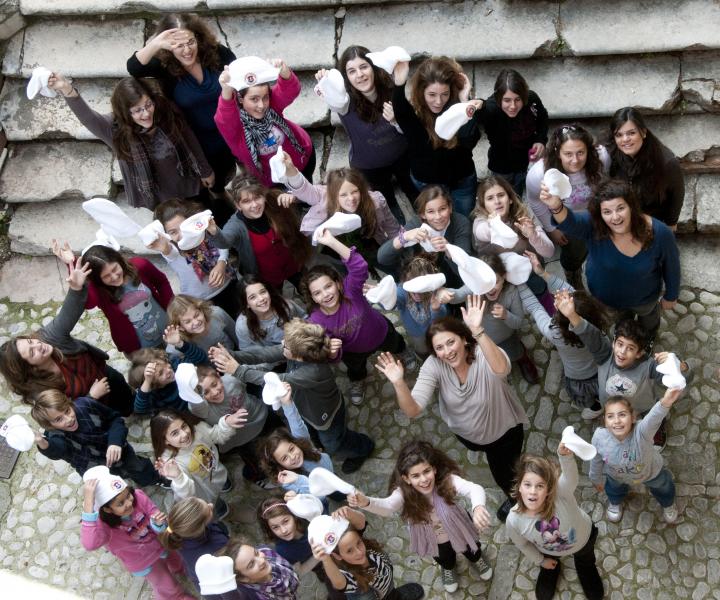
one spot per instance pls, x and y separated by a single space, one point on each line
640 557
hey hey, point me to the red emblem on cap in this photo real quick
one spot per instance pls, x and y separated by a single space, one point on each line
250 78
470 110
330 538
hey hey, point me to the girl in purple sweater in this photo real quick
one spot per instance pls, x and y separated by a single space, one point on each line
340 307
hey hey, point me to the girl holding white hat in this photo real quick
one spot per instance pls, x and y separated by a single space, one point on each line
250 116
263 571
378 149
126 522
438 83
426 485
470 372
158 153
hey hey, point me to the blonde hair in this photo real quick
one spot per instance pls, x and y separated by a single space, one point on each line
139 360
307 341
181 304
48 400
547 471
187 519
516 209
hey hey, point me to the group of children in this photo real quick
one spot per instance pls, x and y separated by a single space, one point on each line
231 365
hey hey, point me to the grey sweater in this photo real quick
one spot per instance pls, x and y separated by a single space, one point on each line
632 460
235 235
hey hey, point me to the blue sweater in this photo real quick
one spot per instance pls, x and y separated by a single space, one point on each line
413 327
620 281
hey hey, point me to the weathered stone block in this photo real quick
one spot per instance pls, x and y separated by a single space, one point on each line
707 197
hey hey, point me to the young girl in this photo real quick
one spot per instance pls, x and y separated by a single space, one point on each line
346 191
626 455
547 523
436 223
187 454
438 83
263 571
250 118
579 367
127 522
424 488
572 151
52 359
158 153
132 293
289 533
516 124
202 323
265 235
378 149
192 531
340 307
203 271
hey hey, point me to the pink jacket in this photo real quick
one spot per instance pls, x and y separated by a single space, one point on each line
386 226
134 542
538 242
227 118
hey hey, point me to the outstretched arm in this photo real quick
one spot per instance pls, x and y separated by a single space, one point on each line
393 370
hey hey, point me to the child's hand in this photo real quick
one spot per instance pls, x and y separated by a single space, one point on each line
671 396
208 181
464 94
473 314
89 495
499 311
389 366
78 275
158 518
326 238
279 63
172 336
286 477
335 347
318 552
64 252
367 286
439 243
286 398
99 388
212 227
444 295
389 113
565 303
167 468
401 72
223 360
358 500
216 277
148 377
537 267
286 200
224 79
549 563
537 151
40 441
481 517
667 304
237 420
599 487
290 168
563 450
552 202
319 75
416 235
112 455
58 83
161 245
342 513
661 357
289 495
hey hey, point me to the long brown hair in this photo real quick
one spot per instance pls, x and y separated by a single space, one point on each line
366 208
436 69
126 132
207 43
277 303
593 165
590 309
368 111
363 576
428 194
269 444
23 378
610 189
100 256
547 471
276 507
452 325
511 80
516 210
159 425
417 508
314 274
284 222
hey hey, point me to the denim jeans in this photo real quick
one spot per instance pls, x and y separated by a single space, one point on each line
661 486
341 442
462 193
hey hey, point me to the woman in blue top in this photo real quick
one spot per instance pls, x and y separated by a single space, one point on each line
184 55
631 256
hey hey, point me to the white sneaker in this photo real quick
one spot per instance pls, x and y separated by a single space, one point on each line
483 569
357 392
589 414
448 580
670 514
614 512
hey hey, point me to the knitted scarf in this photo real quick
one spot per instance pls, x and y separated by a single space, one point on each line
203 259
257 131
141 170
456 523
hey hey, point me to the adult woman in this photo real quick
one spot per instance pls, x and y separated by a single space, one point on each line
476 401
437 224
185 56
377 148
52 359
572 151
631 255
644 162
437 84
516 124
159 155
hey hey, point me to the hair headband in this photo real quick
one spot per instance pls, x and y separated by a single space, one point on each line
272 506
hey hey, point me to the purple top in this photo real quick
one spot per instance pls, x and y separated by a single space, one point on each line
360 327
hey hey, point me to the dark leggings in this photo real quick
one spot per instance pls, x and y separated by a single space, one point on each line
120 397
228 300
447 557
356 362
381 180
502 454
309 168
249 451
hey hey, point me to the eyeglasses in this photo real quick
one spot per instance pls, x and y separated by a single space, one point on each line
191 43
136 112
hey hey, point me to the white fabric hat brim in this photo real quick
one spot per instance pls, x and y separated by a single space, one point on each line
273 390
338 224
448 123
39 83
186 379
424 283
558 183
518 267
578 445
278 170
249 71
324 482
384 293
332 88
102 239
111 217
305 506
20 438
502 234
151 232
216 574
327 531
388 58
192 230
475 273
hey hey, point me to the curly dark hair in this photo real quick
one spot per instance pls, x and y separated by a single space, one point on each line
452 325
100 256
633 331
590 309
609 190
363 576
593 165
277 303
314 274
268 445
368 111
207 43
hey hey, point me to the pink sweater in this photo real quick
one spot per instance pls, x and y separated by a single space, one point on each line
134 542
230 126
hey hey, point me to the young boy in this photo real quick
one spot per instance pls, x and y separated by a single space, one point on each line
152 373
86 433
308 352
623 367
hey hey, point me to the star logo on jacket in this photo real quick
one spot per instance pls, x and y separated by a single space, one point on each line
619 385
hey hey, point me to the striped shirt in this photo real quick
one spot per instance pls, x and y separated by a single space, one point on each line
381 575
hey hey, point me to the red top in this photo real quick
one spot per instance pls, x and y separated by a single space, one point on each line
121 329
274 261
79 372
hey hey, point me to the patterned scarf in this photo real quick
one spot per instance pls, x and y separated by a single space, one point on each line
203 259
141 170
257 131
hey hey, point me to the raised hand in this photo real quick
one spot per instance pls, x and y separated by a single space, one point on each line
499 311
216 277
389 113
58 83
526 226
165 40
565 303
335 346
89 495
401 72
552 202
112 455
464 94
279 63
391 367
161 245
222 359
78 275
671 396
563 450
358 500
100 388
290 168
318 77
158 518
167 468
172 336
286 398
286 477
286 200
473 314
238 419
537 266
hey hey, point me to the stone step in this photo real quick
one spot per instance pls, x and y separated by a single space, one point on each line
50 118
34 225
40 172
